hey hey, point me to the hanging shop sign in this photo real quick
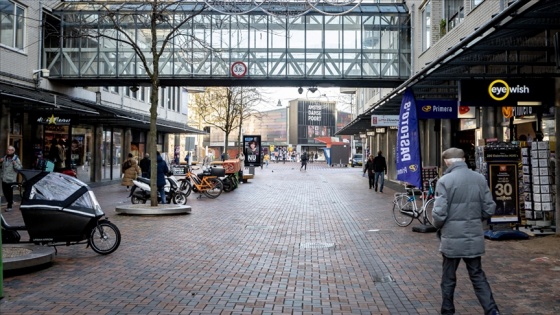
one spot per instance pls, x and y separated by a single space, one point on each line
384 120
436 109
380 130
468 112
506 92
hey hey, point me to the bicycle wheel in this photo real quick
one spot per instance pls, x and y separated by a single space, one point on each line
105 238
428 216
186 187
180 198
402 211
216 190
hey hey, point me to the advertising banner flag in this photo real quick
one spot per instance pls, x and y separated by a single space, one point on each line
409 167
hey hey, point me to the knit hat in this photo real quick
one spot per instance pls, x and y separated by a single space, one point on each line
453 153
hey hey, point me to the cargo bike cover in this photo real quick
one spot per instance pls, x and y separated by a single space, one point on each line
57 207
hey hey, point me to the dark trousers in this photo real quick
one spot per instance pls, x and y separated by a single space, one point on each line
8 193
303 165
371 180
478 279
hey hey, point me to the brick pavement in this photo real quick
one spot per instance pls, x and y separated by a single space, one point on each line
288 242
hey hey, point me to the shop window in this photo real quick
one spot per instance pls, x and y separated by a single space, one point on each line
12 24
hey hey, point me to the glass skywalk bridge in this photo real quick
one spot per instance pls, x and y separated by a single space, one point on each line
369 46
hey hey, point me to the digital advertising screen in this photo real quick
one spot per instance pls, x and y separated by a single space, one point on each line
252 150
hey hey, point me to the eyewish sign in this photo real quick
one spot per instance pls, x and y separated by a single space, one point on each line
409 167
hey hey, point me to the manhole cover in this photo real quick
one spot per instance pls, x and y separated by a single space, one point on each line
317 245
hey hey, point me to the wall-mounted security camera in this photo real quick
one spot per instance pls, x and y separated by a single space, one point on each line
134 89
300 90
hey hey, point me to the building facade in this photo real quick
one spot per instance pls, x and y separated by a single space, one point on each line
96 126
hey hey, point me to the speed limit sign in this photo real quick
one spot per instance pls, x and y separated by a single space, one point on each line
238 69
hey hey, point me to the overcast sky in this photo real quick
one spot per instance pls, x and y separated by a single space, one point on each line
285 94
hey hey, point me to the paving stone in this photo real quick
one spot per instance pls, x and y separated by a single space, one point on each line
286 242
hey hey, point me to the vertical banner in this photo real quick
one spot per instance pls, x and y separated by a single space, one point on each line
252 148
409 167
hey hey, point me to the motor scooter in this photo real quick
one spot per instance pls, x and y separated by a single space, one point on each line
140 191
57 210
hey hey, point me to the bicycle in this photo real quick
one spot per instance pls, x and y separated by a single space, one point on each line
406 207
207 183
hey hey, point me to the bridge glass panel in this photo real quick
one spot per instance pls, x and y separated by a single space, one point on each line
369 43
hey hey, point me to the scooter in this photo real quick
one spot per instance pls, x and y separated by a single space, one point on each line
140 192
61 210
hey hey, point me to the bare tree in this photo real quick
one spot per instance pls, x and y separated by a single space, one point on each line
226 108
162 22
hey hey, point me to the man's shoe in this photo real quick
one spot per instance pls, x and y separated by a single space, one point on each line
495 312
8 209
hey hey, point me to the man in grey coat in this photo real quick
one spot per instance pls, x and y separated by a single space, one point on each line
463 201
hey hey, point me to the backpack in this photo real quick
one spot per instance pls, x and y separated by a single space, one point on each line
126 165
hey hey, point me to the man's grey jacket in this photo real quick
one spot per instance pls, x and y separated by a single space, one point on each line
463 201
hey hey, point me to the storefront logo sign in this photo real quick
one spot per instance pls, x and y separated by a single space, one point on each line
52 120
499 90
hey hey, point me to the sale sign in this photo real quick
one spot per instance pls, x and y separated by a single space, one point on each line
504 189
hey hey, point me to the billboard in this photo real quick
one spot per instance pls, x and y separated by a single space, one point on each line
252 150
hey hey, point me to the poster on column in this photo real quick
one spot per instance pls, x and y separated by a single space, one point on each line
503 186
408 143
252 149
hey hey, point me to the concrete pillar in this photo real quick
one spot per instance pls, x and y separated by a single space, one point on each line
126 144
390 155
489 123
556 156
4 126
96 165
445 135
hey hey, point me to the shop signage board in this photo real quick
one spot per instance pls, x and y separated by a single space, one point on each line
437 109
384 120
504 188
502 162
506 92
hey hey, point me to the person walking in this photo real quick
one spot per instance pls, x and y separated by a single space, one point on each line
463 201
145 165
369 169
303 161
266 159
380 169
131 171
162 170
10 164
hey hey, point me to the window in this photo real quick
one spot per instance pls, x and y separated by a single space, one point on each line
455 13
476 2
11 24
427 26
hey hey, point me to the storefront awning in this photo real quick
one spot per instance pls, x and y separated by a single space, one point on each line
132 118
32 100
523 29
